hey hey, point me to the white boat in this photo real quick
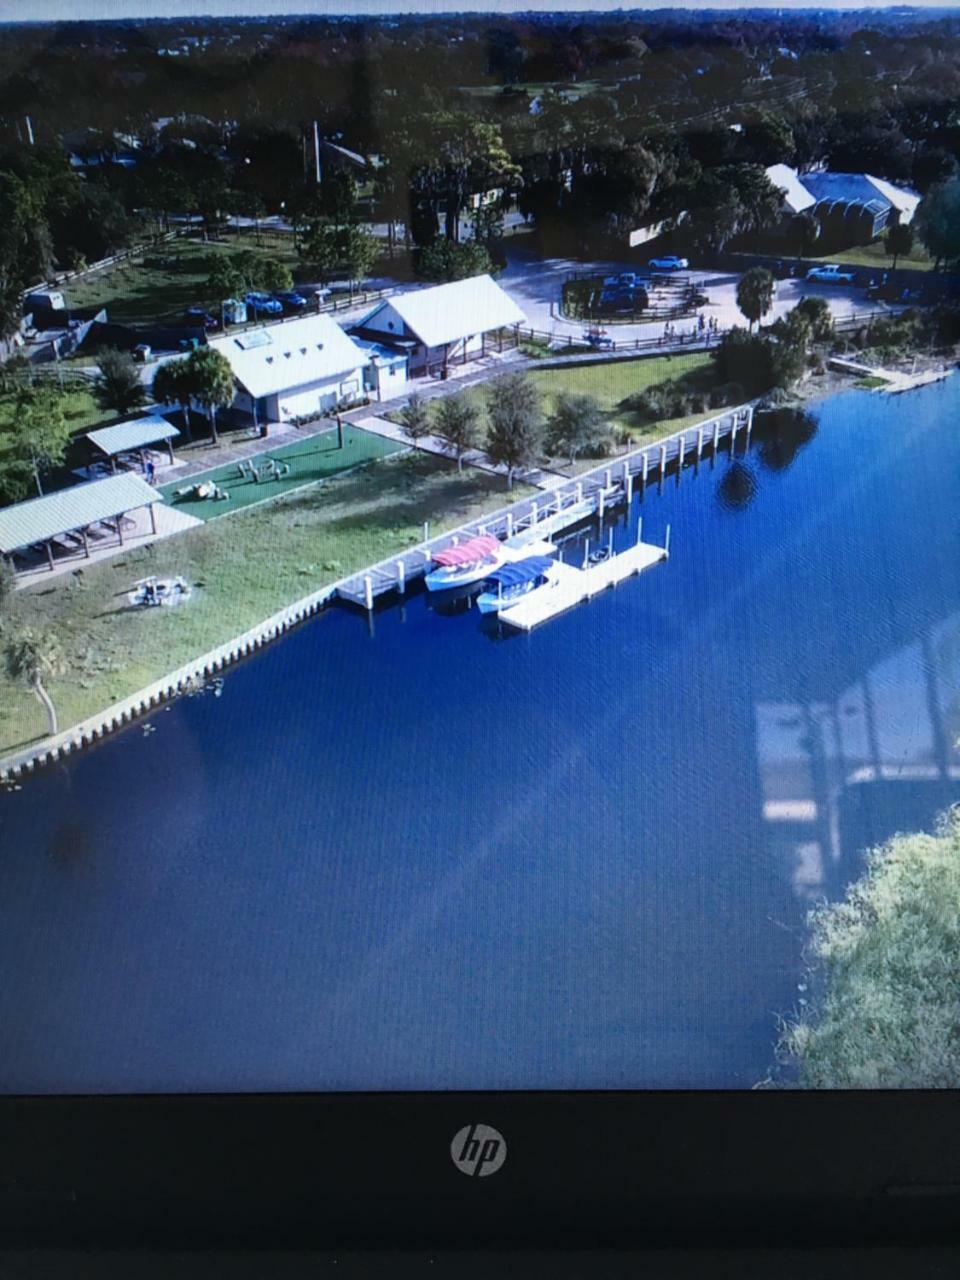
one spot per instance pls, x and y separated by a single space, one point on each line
512 581
466 563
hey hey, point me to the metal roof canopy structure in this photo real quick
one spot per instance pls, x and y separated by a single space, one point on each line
450 312
40 520
138 433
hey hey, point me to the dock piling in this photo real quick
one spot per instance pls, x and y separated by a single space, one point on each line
586 552
663 461
426 530
666 543
639 529
401 577
716 435
681 450
646 468
700 444
509 524
368 591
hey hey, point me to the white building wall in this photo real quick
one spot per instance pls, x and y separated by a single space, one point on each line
316 397
385 320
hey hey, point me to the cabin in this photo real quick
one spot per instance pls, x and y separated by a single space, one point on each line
443 324
298 369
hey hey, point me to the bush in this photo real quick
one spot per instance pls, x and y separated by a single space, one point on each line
882 1011
7 580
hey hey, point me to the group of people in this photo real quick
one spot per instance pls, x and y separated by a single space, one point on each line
704 326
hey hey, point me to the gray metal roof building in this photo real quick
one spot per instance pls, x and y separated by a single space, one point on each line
40 520
138 433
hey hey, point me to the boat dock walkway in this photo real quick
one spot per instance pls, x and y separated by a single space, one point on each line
569 586
579 498
891 380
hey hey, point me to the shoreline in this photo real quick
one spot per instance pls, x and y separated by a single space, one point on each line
187 677
197 671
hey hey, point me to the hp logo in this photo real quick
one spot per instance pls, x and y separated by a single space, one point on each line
477 1150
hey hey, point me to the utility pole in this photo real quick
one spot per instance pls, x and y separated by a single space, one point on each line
29 124
316 152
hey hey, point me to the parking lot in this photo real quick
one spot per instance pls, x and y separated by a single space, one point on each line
536 286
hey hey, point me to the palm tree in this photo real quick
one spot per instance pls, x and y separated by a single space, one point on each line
171 385
210 380
33 657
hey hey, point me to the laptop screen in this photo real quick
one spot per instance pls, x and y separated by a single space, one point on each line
481 588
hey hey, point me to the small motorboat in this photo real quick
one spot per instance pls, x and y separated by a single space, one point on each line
511 581
153 592
467 562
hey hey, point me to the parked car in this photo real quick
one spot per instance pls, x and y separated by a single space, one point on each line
670 263
263 304
831 273
290 299
197 315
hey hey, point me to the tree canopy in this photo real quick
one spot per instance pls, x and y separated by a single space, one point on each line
515 435
883 1008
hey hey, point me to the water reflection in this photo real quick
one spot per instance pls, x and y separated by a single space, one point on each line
842 774
738 487
781 434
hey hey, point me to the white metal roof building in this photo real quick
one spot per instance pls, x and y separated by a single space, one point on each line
446 319
796 197
41 520
133 436
302 366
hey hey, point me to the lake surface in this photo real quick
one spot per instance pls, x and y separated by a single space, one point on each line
432 858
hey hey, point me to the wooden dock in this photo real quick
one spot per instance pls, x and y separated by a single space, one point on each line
569 586
591 494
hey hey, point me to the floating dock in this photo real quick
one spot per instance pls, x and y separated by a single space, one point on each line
569 586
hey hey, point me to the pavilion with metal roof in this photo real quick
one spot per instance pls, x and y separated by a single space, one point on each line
133 437
66 518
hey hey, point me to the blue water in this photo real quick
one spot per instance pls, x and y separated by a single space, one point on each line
429 857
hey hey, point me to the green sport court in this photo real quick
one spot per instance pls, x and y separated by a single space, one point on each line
311 459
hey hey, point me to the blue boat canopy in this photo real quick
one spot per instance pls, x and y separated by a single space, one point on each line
513 575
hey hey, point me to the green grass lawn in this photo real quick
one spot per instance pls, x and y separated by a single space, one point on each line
609 383
309 460
80 408
242 570
137 294
875 257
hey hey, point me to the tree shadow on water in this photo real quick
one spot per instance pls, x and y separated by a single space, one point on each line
738 487
782 434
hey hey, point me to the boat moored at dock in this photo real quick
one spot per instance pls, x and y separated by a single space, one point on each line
465 563
511 582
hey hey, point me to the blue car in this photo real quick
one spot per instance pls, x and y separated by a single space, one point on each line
263 304
290 299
